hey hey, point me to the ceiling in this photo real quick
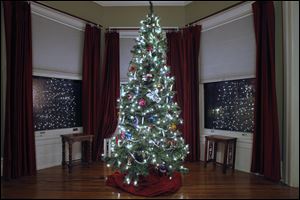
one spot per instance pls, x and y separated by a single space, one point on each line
142 3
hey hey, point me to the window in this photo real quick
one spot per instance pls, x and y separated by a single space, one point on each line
227 71
229 105
126 45
57 46
56 103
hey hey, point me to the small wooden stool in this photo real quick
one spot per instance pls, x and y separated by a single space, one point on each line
70 139
211 145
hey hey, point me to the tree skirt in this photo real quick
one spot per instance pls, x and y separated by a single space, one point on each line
152 185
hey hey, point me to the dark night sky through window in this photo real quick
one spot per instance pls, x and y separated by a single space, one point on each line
56 103
229 105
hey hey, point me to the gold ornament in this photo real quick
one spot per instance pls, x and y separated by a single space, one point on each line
173 127
159 85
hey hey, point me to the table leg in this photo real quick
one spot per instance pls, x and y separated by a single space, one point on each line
225 158
70 157
215 153
233 155
90 152
63 160
205 154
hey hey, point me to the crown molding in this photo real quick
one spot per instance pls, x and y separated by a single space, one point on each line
227 16
142 3
56 16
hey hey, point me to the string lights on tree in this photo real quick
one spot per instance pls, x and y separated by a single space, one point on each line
148 136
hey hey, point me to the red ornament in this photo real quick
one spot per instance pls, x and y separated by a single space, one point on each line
129 96
149 47
142 102
122 134
132 68
116 139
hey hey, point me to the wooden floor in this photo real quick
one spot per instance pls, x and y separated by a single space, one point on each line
89 182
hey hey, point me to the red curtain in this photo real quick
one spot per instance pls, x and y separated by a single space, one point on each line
91 84
110 89
19 141
266 149
183 54
175 60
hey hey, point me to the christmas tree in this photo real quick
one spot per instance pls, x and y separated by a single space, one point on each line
148 137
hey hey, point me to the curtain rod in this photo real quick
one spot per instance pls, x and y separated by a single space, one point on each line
137 28
193 22
88 21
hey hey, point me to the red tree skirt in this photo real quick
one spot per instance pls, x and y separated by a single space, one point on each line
152 185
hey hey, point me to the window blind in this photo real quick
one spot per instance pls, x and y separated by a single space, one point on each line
227 52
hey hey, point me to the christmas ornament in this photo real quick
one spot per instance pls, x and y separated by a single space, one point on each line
142 102
136 121
159 86
129 96
151 126
129 161
123 135
117 139
147 77
152 119
138 157
128 135
132 68
173 127
149 47
171 142
162 169
154 96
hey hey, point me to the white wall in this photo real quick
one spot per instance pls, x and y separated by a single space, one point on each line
291 61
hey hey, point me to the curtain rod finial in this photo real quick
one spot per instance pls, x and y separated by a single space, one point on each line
151 7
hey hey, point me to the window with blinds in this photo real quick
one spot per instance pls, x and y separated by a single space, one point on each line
227 70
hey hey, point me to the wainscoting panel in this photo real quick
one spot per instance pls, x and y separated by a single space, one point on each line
49 147
243 149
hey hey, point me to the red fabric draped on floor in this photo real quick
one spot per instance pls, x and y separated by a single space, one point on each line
149 186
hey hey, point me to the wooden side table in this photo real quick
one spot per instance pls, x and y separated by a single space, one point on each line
70 139
211 145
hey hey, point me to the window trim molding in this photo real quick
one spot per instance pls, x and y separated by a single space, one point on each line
56 16
227 16
290 170
56 74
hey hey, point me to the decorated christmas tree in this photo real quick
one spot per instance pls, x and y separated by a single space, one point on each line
148 137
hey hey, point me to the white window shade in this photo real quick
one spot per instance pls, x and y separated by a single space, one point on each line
57 48
126 45
227 52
